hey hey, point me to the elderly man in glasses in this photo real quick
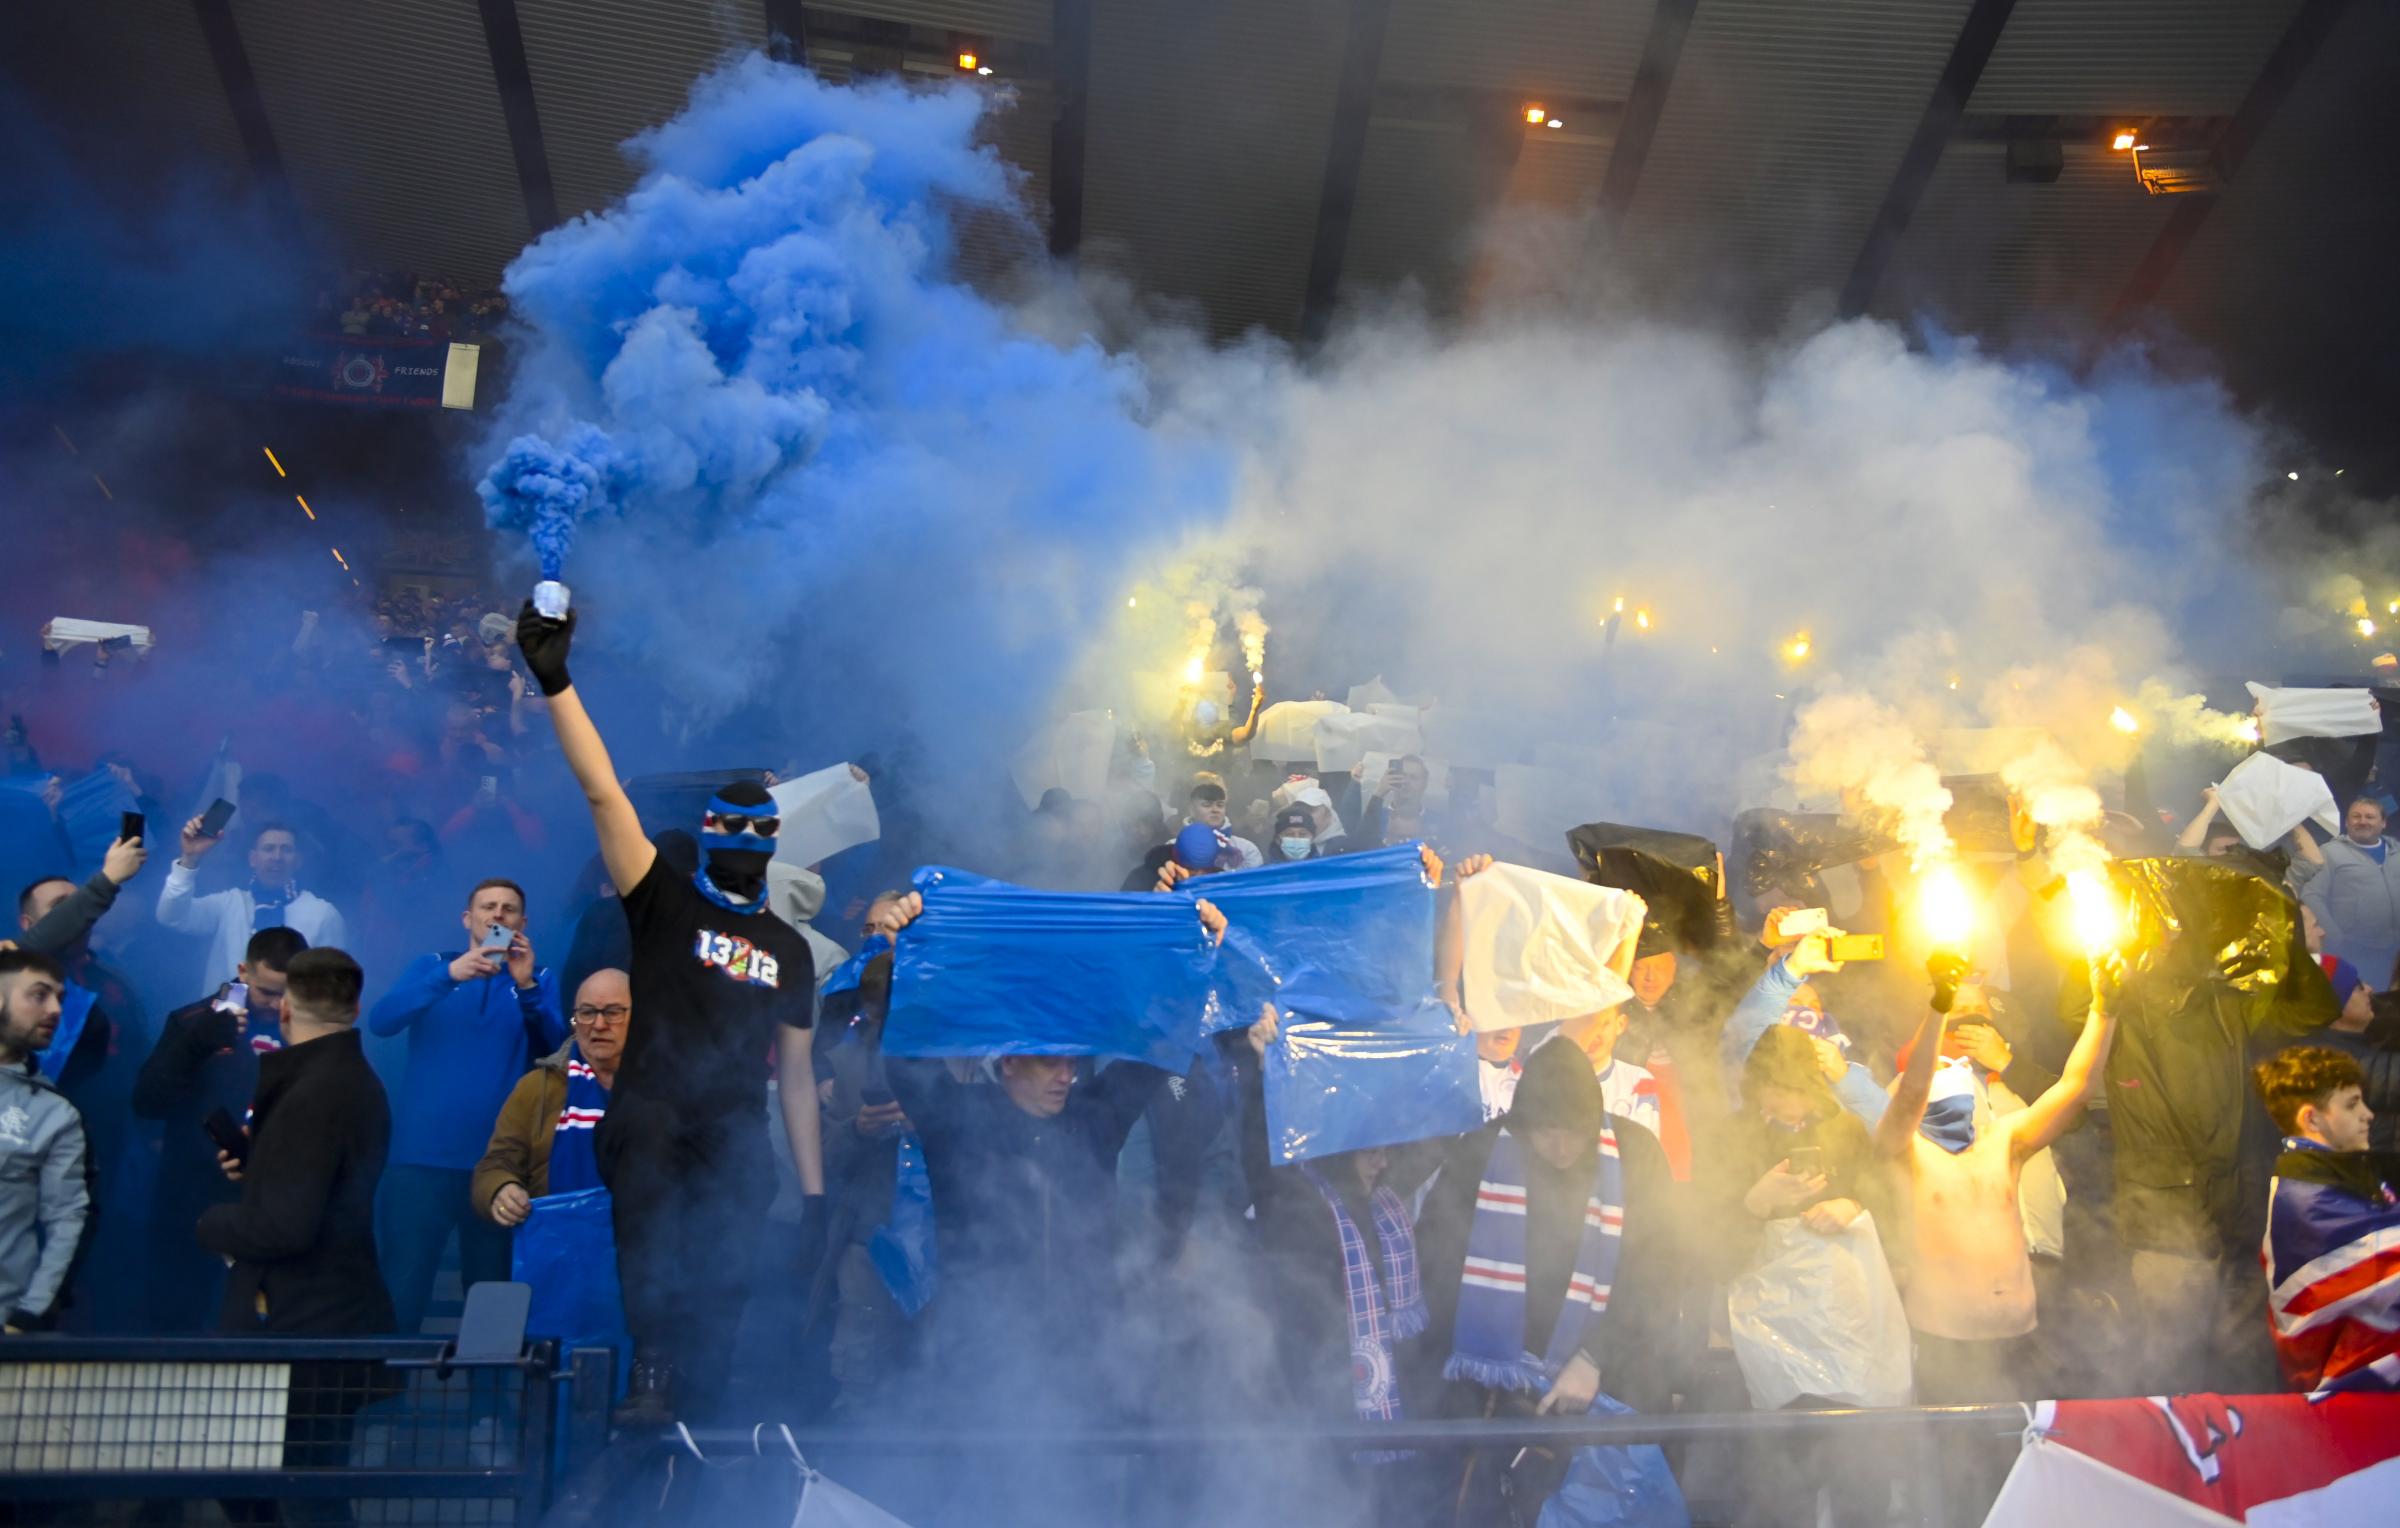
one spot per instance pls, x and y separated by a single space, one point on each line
543 1142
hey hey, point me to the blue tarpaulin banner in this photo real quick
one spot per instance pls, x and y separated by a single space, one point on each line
1331 1090
991 969
1348 939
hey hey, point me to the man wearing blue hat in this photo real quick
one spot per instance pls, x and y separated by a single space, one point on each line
683 1147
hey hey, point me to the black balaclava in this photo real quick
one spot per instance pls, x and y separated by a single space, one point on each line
734 864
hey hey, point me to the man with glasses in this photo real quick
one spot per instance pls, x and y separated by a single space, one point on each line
475 1019
543 1141
721 982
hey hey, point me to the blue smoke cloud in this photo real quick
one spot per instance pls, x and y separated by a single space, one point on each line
812 474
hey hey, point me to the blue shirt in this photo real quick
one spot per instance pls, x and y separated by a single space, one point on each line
468 1043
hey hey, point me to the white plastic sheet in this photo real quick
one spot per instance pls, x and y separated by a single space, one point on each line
824 812
1344 740
1536 946
2314 713
2265 798
826 1505
1287 730
1819 1315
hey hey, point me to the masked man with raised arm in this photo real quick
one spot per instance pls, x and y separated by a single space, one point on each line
683 1147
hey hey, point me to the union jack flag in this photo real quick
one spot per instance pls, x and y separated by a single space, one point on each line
2332 1257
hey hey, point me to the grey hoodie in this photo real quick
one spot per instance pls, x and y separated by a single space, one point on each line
45 1199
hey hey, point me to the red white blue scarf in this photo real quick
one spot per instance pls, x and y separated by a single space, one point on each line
1488 1345
1384 1310
574 1165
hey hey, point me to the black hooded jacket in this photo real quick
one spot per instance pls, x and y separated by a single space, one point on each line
1024 1208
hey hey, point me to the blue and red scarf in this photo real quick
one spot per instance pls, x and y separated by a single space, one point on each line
574 1165
1488 1346
1383 1310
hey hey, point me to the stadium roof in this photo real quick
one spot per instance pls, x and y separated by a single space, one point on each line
1759 161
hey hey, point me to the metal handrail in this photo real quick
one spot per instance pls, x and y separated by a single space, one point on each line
2005 1418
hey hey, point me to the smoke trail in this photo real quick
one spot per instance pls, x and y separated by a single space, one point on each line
1853 745
819 486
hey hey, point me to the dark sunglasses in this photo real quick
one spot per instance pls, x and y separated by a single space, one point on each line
735 822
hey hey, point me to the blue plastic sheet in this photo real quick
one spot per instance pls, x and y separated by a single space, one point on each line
991 969
902 1247
1332 1090
567 1250
90 811
1626 1486
1347 939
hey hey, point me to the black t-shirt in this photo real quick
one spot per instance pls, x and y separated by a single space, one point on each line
709 987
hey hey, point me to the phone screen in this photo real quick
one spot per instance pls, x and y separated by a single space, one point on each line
129 826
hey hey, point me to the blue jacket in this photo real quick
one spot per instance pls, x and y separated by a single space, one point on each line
468 1043
1760 1010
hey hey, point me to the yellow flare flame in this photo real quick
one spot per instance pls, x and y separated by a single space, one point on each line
1194 669
1944 909
1258 676
1131 601
1641 619
2249 729
2366 626
2098 916
2124 721
1620 606
1797 649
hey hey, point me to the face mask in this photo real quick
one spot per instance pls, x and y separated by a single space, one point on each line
1145 773
1295 848
1949 1120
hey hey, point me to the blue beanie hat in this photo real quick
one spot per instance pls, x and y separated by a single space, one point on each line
1201 847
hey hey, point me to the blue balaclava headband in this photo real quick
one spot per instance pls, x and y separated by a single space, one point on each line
737 838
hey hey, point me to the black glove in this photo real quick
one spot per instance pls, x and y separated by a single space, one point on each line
1947 971
813 1228
544 643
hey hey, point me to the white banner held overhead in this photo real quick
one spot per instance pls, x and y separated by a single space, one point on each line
2314 713
824 812
1537 946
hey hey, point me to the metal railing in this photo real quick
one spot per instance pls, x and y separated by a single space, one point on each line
388 1425
1919 1446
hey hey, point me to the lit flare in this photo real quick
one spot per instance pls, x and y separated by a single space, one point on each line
2125 721
2099 917
1945 910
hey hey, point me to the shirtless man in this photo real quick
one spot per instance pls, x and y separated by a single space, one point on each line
1969 1290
